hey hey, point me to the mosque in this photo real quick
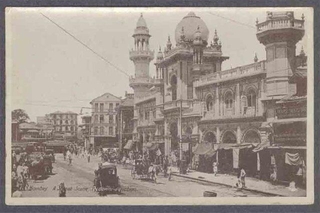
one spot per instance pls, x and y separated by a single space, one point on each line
194 111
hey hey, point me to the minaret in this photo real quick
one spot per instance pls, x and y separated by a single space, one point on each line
280 34
141 55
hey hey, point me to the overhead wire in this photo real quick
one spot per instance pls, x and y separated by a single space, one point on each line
232 20
89 48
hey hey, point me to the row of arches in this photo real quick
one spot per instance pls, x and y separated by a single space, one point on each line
248 99
250 136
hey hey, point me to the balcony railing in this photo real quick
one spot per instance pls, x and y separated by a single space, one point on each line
177 104
247 112
251 69
141 53
280 23
146 123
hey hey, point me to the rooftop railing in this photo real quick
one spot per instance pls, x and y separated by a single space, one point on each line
280 23
237 72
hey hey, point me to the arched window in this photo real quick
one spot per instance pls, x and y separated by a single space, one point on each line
209 103
251 97
251 136
229 137
228 99
210 137
173 83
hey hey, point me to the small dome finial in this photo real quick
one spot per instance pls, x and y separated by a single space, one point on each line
141 15
302 17
257 21
215 37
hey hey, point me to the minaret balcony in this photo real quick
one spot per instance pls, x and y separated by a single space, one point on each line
141 54
279 24
145 81
284 26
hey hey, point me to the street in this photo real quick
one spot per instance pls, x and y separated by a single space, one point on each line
79 176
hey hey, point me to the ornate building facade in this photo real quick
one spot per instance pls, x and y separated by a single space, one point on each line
193 108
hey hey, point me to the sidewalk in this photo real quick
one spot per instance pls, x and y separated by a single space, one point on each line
252 184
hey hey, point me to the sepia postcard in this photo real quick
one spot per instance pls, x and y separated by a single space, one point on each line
159 106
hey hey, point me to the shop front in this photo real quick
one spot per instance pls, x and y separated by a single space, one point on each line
289 151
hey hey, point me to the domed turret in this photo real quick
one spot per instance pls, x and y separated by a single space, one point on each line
190 23
159 55
141 28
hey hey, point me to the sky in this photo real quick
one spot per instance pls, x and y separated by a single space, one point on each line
48 70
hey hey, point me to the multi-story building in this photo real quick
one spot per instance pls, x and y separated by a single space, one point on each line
65 123
85 129
194 108
125 122
103 131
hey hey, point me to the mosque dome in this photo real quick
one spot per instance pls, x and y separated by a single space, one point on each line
190 24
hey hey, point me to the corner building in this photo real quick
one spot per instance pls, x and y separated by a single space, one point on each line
196 112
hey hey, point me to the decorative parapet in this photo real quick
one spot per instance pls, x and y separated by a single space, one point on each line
141 54
235 73
280 20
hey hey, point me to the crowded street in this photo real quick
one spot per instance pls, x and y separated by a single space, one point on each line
78 179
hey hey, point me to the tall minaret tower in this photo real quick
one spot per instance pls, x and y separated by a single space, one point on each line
141 56
280 34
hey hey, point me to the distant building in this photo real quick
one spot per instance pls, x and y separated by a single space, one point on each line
103 131
85 129
64 123
125 122
29 131
15 136
43 119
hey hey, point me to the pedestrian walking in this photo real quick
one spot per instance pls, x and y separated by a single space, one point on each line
169 172
215 168
64 154
299 176
69 157
88 157
243 177
62 190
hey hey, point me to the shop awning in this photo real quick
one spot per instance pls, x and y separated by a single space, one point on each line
223 146
211 153
243 146
202 148
129 145
154 146
151 146
261 146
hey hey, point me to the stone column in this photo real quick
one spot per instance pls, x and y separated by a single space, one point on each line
237 100
260 95
238 135
218 135
217 103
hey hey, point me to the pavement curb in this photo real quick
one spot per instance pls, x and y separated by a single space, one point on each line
227 185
